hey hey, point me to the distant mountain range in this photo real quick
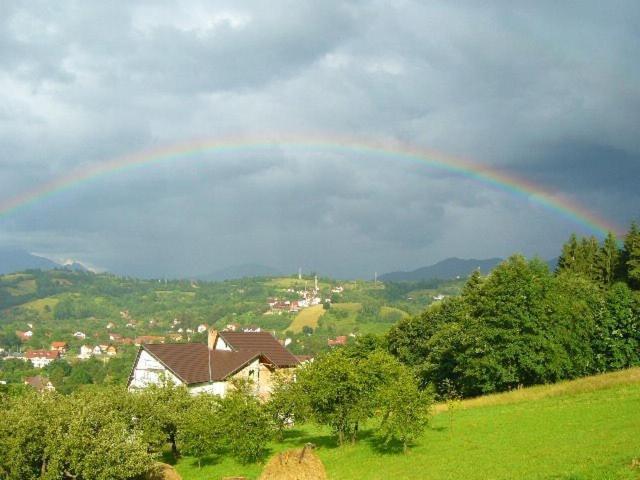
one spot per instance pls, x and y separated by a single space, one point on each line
16 260
449 269
241 271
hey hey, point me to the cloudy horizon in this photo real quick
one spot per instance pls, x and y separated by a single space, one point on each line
546 92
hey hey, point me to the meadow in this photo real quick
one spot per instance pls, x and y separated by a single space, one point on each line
586 429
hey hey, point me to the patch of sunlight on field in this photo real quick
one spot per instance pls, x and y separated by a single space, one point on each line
40 306
390 311
581 430
25 287
569 387
308 317
347 307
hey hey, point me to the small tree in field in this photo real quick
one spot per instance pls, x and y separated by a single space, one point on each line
287 404
405 410
246 424
452 398
199 432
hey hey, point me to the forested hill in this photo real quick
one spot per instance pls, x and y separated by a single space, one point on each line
54 304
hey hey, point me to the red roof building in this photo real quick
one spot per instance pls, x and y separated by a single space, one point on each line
41 358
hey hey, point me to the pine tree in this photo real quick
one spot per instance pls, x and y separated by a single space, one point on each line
588 251
631 256
567 259
609 259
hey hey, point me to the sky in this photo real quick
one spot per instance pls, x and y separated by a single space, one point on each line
545 91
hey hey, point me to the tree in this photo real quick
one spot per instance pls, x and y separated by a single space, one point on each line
246 424
334 389
609 259
89 438
631 256
287 403
569 255
199 431
405 410
158 412
22 443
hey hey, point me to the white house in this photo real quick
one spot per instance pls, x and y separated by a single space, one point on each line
41 358
80 335
85 352
210 368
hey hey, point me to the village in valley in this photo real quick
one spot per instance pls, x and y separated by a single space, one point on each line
305 314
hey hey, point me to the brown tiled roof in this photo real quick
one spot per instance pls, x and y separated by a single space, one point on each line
187 360
195 363
261 342
38 382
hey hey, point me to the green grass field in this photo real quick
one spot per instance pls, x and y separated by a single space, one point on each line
307 318
588 429
40 306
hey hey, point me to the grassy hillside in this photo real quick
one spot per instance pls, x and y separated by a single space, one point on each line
581 430
57 303
307 318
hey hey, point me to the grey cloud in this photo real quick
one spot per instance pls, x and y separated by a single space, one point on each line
545 91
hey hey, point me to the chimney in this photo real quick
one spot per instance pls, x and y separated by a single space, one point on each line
213 336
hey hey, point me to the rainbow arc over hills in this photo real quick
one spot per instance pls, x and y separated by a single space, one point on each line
394 152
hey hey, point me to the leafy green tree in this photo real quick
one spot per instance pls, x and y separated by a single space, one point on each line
616 343
88 438
246 424
158 411
200 431
22 443
287 403
335 391
405 410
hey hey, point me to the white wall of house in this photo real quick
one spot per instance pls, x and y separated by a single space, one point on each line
215 388
149 371
221 344
41 362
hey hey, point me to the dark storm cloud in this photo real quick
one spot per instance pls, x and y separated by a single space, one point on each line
545 91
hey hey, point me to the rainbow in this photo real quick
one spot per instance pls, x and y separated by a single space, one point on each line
511 184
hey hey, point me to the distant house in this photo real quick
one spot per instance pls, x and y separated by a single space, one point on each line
111 325
254 356
174 337
85 352
111 350
80 335
40 384
24 336
41 358
339 340
115 337
252 329
149 339
61 347
201 328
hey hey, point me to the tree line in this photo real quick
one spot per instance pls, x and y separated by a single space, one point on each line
524 325
107 432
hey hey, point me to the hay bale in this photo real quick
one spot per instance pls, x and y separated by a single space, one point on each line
163 471
298 464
